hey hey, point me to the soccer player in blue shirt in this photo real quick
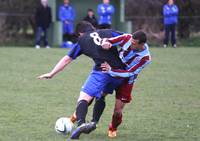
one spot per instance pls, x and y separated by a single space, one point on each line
170 13
89 43
105 11
67 16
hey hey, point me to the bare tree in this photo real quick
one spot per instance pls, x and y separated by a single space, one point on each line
16 18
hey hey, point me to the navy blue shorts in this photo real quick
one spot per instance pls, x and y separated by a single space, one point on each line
99 82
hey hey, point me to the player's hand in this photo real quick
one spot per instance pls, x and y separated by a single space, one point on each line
66 22
105 67
105 44
45 76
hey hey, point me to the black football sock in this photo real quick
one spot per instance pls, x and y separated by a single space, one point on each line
98 109
81 111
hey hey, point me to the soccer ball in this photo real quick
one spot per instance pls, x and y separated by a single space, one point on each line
63 126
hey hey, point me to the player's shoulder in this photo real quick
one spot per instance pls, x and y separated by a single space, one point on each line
127 35
100 5
146 45
166 7
175 6
62 7
147 52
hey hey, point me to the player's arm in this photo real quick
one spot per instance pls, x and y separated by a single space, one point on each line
126 73
124 41
61 14
74 52
101 10
168 13
111 10
175 11
59 67
73 15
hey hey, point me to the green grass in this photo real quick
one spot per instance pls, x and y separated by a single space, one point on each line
191 42
166 105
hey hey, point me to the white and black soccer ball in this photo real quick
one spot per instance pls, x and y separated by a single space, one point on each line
63 126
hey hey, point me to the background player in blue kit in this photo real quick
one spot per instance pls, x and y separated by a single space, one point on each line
67 16
170 14
105 11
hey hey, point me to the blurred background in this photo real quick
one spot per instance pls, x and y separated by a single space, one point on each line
17 22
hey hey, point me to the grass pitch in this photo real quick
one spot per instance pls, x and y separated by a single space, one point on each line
166 105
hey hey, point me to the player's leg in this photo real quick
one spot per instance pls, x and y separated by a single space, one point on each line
98 109
38 37
97 112
73 117
116 118
92 88
46 44
123 96
71 31
113 83
173 35
166 38
81 112
82 107
65 35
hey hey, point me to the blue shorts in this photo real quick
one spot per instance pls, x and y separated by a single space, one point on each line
98 82
110 87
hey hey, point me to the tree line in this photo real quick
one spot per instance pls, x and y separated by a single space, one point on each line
17 17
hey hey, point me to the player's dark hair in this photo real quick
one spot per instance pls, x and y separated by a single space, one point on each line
83 27
140 36
90 10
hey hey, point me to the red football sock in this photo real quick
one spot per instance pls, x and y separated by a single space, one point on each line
116 121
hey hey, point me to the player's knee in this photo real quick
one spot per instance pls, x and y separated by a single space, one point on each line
85 96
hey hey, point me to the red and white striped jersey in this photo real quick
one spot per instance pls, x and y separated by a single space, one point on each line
135 60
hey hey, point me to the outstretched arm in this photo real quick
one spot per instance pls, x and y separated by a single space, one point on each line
59 67
73 54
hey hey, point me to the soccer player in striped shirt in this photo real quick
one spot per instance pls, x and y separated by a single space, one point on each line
135 54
